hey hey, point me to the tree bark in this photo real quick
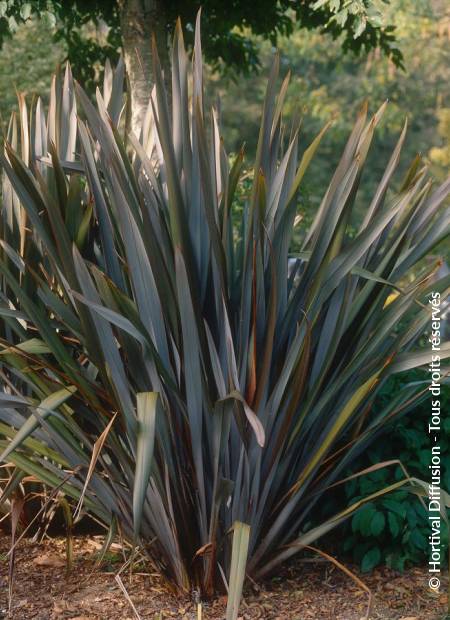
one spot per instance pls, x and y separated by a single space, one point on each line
140 19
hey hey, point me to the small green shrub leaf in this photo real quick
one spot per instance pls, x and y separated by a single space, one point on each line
377 523
394 525
370 560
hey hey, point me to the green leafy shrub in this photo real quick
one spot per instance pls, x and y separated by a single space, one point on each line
162 368
395 529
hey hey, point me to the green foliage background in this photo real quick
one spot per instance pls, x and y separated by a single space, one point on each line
27 62
359 24
327 84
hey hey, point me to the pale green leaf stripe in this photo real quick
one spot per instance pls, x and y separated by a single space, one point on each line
146 414
414 359
47 406
34 346
241 538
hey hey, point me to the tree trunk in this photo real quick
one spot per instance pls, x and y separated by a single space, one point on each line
140 19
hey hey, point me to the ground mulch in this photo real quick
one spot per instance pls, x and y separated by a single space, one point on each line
304 590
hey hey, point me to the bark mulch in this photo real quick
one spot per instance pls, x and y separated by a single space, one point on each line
304 590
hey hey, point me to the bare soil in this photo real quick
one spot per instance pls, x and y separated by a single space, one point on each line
304 591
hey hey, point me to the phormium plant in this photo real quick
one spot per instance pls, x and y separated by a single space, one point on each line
163 367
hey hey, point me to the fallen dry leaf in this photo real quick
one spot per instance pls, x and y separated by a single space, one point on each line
49 560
